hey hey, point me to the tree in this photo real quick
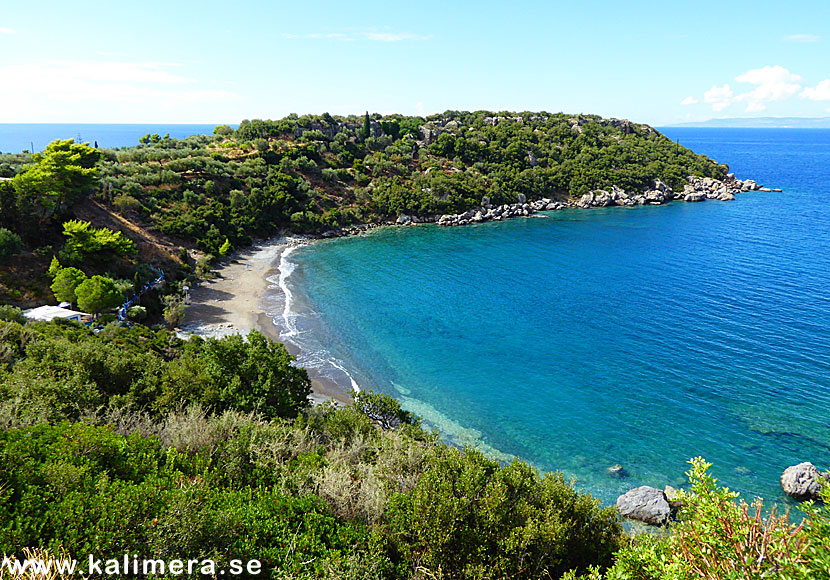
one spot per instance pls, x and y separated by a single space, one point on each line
367 126
9 243
82 238
97 294
54 267
61 175
223 131
65 284
252 374
225 249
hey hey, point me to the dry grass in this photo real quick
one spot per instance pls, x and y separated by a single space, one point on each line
30 573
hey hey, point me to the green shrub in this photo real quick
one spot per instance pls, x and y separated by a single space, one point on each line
125 203
174 310
467 517
137 313
9 243
249 375
11 314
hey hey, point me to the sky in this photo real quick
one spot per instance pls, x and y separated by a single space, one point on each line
182 61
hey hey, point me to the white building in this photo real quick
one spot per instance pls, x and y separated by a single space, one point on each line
49 313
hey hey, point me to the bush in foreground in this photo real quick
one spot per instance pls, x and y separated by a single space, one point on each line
719 538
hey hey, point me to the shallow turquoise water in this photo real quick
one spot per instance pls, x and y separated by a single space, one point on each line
639 336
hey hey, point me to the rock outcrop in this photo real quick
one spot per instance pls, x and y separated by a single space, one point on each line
698 189
617 471
646 504
488 212
802 481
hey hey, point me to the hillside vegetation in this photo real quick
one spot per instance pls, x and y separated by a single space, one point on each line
313 172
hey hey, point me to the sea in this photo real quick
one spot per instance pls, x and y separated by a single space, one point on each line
17 137
582 339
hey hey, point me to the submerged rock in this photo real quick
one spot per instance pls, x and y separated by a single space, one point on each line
646 504
617 471
802 481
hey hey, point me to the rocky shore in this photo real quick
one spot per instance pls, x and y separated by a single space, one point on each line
658 507
696 190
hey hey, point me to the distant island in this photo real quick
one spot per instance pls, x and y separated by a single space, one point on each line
762 123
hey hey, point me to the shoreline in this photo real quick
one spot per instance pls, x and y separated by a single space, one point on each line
230 303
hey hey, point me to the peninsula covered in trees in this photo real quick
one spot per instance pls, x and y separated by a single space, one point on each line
311 173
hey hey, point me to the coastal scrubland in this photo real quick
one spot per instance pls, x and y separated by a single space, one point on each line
130 439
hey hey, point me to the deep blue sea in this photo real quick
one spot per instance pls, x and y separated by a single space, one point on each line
15 137
640 336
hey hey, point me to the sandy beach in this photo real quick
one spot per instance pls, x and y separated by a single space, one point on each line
229 303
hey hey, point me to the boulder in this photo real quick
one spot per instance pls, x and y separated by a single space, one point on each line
602 198
665 189
522 198
777 190
617 471
586 200
802 481
673 497
695 196
764 189
646 504
404 220
655 197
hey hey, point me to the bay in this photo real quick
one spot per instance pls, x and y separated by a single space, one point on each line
640 336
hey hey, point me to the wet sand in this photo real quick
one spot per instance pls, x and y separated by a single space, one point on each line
230 304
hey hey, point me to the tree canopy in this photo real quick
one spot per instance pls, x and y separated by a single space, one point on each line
98 294
59 176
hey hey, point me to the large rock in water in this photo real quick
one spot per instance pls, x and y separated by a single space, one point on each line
802 481
647 504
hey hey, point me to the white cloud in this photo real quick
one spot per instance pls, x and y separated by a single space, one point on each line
773 83
802 38
4 30
768 75
353 36
65 88
820 92
719 97
689 101
393 37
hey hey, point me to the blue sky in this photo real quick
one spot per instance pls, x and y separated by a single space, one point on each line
213 62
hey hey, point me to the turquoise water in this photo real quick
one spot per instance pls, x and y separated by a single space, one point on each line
640 336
